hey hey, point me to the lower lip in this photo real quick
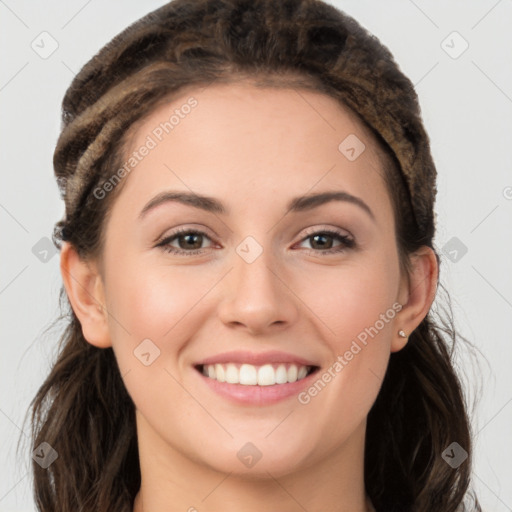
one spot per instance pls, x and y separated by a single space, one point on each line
257 395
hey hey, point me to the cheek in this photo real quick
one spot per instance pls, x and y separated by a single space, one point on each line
357 307
159 304
162 304
154 300
353 298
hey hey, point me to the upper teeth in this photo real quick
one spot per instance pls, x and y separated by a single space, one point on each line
249 375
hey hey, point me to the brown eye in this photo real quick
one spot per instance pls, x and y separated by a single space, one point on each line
189 242
321 242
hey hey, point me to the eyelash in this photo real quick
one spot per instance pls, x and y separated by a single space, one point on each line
346 242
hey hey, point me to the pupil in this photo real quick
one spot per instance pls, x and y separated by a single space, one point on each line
315 237
189 236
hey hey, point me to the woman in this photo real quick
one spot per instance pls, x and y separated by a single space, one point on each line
248 371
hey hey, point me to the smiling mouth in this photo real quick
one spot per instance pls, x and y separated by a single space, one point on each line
254 375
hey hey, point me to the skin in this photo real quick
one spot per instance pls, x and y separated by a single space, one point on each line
254 150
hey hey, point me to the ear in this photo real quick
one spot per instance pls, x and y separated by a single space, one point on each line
84 288
417 292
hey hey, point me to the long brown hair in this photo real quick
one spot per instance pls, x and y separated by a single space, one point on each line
82 410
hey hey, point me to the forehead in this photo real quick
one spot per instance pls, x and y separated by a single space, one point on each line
257 140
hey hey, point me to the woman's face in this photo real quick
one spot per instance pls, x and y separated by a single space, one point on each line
262 293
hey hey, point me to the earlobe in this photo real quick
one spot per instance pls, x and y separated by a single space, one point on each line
84 288
420 292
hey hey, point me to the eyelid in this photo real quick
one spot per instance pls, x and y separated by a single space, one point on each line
325 227
347 241
205 231
169 233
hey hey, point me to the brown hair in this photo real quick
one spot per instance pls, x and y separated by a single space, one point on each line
83 409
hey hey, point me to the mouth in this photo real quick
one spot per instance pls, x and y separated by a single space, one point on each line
269 374
256 379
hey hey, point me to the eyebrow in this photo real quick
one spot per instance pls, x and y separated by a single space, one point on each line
297 204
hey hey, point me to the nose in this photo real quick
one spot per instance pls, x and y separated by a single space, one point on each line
257 297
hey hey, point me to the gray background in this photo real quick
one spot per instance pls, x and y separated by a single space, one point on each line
466 102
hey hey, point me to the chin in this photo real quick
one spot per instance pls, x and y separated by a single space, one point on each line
256 460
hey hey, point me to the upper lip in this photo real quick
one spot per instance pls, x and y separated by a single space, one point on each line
255 359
